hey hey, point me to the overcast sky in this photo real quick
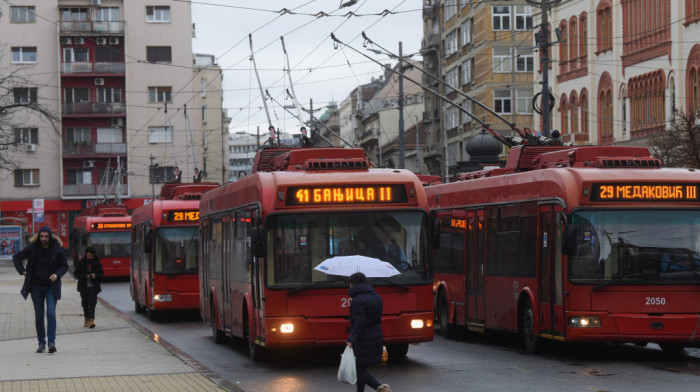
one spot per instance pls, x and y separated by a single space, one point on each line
319 71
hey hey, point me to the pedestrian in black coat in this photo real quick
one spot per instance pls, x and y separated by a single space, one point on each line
89 273
366 337
46 264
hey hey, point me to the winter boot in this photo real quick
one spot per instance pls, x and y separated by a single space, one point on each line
91 323
87 322
383 388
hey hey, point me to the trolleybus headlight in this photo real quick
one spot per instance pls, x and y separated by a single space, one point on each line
162 298
287 328
417 324
584 322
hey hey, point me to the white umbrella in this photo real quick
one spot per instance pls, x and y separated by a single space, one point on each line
348 265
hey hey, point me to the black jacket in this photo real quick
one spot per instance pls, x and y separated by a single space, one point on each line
58 264
366 324
81 273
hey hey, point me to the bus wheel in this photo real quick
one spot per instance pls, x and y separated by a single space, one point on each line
530 339
443 310
672 348
137 307
215 332
151 314
255 351
397 351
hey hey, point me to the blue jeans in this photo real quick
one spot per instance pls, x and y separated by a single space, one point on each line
364 378
41 295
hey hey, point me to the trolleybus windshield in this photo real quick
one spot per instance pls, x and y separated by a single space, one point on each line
111 243
299 242
635 247
176 250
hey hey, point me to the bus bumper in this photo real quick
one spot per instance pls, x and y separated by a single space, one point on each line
634 328
168 300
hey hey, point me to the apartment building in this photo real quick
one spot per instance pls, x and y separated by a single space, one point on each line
622 71
484 50
126 92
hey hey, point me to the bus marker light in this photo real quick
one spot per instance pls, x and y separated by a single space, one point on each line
417 323
163 298
287 328
429 323
584 322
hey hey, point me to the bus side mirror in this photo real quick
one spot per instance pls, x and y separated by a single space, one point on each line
258 238
435 231
148 241
569 239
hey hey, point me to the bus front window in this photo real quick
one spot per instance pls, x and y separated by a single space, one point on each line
111 243
633 246
176 250
298 243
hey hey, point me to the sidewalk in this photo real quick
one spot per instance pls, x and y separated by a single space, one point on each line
115 356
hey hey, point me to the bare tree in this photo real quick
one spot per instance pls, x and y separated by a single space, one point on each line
15 113
679 145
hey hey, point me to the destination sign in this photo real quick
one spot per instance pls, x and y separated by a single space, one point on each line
111 225
644 192
346 194
183 216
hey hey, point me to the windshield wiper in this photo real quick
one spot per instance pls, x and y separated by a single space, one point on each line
312 285
620 278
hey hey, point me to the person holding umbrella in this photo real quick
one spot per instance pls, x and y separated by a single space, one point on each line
366 337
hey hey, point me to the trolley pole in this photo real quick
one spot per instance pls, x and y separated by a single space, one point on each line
402 163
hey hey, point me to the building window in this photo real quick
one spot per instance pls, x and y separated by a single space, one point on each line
109 135
107 14
467 68
27 135
22 14
466 30
158 14
25 95
78 135
451 117
161 174
467 105
160 134
523 17
502 101
76 55
27 177
24 54
74 14
523 100
584 115
501 18
204 114
110 95
159 94
502 60
524 60
604 19
204 88
573 113
158 54
450 9
564 113
78 176
106 54
583 21
452 80
451 43
77 95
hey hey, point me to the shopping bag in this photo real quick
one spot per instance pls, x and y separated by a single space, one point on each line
347 373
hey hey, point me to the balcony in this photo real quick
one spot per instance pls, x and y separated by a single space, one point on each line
94 108
431 41
92 68
430 10
86 26
87 189
86 150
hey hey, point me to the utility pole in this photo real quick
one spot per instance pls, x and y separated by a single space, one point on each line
402 163
544 44
150 175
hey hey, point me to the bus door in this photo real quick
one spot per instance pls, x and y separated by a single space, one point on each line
253 219
551 309
229 222
457 262
475 270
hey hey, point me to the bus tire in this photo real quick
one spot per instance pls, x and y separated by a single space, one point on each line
151 314
527 328
255 351
397 352
446 329
137 308
215 332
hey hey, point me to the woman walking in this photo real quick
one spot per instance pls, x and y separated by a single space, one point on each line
89 272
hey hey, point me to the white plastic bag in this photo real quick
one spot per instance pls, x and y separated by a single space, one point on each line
347 373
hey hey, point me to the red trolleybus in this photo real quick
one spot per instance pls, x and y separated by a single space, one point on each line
263 235
106 228
165 235
580 244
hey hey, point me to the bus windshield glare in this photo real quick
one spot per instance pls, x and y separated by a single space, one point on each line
111 243
176 250
635 247
298 243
